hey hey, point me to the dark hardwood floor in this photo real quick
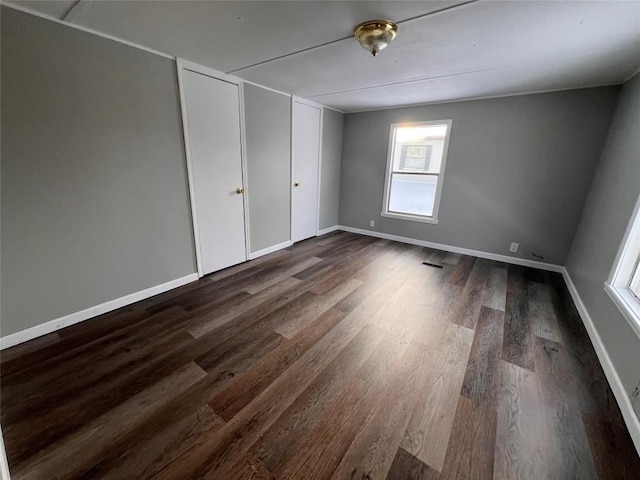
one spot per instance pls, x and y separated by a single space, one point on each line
341 357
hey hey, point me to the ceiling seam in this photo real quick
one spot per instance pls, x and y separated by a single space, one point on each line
304 50
632 75
54 19
486 97
404 82
73 11
76 26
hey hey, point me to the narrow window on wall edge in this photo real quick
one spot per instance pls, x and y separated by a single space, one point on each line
416 162
623 284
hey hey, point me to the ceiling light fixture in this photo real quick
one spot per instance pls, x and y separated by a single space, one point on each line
374 35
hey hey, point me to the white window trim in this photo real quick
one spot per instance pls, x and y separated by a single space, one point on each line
387 175
623 267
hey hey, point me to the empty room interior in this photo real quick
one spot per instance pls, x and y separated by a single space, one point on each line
320 239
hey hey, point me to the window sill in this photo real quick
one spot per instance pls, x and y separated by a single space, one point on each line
627 304
411 218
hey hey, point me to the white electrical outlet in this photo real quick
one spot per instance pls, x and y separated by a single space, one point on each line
514 247
372 223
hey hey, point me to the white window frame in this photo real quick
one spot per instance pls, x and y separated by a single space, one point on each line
617 285
388 174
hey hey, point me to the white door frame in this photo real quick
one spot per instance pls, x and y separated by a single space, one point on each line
4 463
291 180
210 72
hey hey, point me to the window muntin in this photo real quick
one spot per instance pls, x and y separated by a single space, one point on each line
415 158
415 165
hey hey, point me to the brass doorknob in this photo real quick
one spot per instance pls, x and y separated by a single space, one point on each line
239 190
297 184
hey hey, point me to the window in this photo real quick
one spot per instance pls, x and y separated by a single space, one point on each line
415 166
634 284
623 285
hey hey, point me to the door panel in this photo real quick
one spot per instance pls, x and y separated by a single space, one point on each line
306 158
213 125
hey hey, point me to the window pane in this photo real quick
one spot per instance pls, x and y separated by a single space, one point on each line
634 285
414 194
419 149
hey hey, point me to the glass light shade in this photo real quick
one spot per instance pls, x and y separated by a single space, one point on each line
374 35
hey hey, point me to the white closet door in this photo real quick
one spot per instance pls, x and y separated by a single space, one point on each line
213 131
306 160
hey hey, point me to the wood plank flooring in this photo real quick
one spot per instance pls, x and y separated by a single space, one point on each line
340 357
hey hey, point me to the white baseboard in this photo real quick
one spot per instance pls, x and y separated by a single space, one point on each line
464 251
324 231
77 317
268 250
622 397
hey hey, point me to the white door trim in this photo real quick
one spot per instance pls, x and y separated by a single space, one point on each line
293 142
210 72
245 181
320 133
4 463
307 102
191 179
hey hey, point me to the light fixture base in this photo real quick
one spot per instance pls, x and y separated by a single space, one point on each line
375 35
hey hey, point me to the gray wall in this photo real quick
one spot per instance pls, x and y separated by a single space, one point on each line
518 170
268 138
94 190
331 162
613 194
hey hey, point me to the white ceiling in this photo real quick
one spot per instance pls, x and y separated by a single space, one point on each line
445 50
